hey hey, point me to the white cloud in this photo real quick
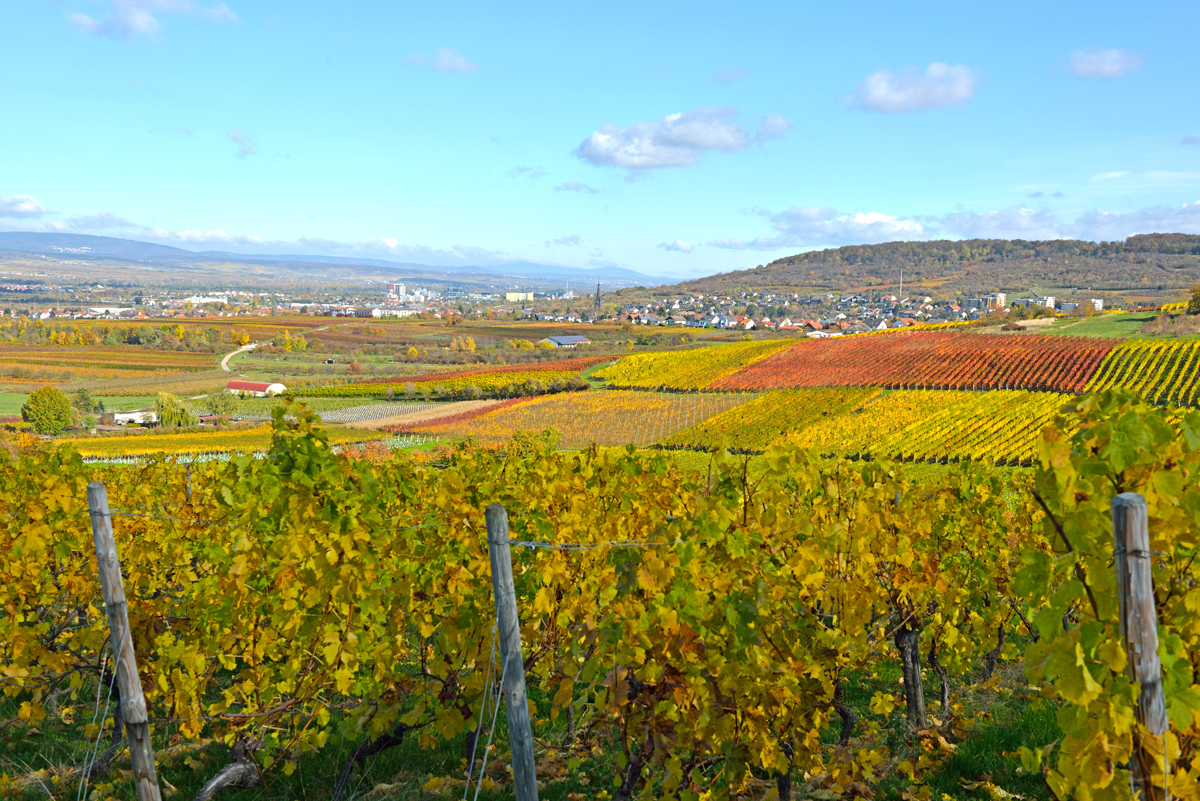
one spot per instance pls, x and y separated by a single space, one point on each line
1109 176
679 246
245 142
1101 225
1172 176
730 76
677 140
572 186
216 236
1097 63
802 226
128 19
570 240
191 236
21 206
811 226
444 60
772 126
99 222
1017 223
1190 140
526 172
911 90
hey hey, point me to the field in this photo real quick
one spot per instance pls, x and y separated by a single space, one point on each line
244 440
601 418
933 360
23 365
105 354
1117 326
11 403
1162 372
770 418
486 379
689 369
331 410
999 427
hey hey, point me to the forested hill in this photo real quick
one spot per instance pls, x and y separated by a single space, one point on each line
1150 263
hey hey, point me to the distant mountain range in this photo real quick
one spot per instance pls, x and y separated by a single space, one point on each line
526 273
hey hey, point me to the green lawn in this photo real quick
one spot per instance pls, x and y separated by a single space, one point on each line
1122 326
126 403
11 403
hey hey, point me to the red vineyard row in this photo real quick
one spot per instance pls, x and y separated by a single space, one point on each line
930 360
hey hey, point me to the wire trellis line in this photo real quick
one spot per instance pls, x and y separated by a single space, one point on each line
590 546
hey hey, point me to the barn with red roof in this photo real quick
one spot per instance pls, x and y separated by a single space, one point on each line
256 389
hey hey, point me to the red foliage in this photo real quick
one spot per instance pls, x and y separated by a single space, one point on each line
930 360
555 365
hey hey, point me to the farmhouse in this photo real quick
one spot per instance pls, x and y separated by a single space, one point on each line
257 389
140 417
566 342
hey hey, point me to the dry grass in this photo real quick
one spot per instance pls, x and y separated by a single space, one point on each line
1179 325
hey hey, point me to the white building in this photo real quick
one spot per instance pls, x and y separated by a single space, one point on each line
143 417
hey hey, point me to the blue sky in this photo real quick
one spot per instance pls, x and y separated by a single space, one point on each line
672 139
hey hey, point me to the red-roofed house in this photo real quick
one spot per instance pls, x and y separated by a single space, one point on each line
258 389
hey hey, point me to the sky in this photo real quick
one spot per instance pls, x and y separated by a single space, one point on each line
677 139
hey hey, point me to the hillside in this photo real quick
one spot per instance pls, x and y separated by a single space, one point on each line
1145 265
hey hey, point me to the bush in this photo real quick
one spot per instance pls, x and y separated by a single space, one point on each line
48 411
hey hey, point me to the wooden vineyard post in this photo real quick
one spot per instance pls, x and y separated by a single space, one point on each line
520 732
1139 626
133 703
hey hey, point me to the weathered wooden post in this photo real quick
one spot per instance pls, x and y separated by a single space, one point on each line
520 733
1139 625
133 703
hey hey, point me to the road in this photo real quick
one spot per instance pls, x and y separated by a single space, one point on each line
228 356
251 346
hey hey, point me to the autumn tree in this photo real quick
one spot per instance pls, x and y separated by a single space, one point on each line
1194 304
49 410
220 401
171 411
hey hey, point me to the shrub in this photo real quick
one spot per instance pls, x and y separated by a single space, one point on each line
48 411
